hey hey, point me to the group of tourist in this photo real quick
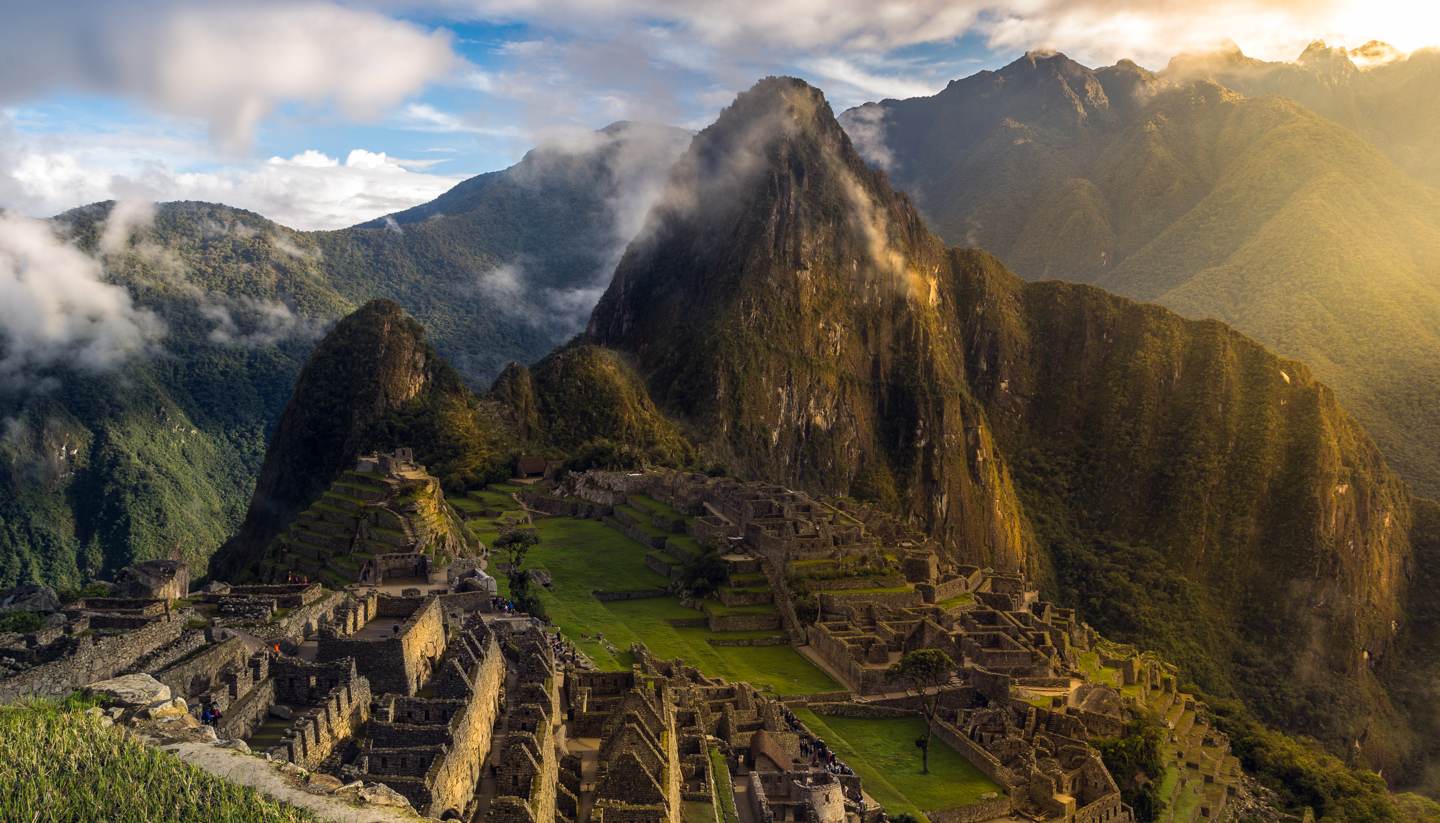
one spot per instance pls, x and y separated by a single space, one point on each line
210 715
813 749
501 605
562 649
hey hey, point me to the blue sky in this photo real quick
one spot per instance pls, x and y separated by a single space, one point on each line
321 113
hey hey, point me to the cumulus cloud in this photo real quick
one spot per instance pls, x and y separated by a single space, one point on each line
55 308
308 190
227 63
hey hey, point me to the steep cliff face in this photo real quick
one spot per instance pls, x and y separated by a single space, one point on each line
796 316
374 364
1161 440
786 305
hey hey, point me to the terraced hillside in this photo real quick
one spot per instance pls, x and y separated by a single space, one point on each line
365 517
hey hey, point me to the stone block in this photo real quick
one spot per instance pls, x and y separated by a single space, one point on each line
138 690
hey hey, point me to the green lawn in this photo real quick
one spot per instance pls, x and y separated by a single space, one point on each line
653 506
883 753
584 555
958 600
724 789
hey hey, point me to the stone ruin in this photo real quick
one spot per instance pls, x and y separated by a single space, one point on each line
386 519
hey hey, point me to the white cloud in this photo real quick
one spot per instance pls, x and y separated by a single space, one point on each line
246 322
308 190
780 32
229 64
425 117
55 308
866 127
869 83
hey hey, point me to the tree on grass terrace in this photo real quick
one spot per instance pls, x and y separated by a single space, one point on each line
925 672
513 545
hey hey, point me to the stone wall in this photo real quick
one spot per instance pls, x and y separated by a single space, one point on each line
867 711
96 658
200 672
401 661
458 775
953 587
986 762
776 640
834 602
241 717
977 812
744 622
629 594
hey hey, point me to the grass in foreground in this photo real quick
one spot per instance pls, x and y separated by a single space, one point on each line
883 753
59 764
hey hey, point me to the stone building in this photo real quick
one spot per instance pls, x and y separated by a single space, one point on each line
397 647
432 749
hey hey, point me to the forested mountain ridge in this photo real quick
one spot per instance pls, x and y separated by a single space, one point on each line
1252 210
156 458
159 457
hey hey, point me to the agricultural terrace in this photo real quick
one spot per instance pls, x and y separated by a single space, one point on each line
583 556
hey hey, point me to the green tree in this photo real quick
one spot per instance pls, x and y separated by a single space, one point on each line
512 546
925 672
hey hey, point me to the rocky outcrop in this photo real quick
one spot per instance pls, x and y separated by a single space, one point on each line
788 305
373 363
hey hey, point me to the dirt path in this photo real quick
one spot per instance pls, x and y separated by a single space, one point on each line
261 775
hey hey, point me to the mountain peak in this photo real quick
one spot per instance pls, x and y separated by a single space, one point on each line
773 189
373 362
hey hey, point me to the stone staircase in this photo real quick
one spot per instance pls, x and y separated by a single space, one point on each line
1202 773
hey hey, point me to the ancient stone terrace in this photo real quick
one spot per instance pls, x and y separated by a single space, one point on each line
397 647
431 748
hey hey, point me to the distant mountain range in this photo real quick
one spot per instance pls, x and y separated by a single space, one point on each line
160 457
1291 200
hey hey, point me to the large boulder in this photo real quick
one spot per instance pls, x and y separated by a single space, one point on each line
30 598
138 690
380 794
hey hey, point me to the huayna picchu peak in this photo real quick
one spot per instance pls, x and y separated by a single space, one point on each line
808 467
